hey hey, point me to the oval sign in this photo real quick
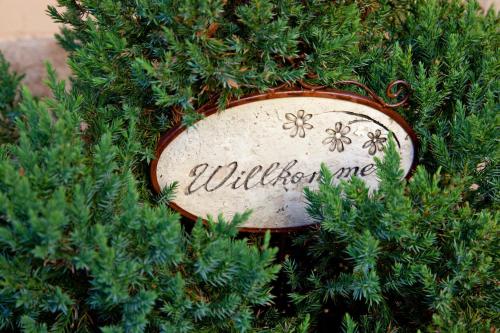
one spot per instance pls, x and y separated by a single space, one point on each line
263 150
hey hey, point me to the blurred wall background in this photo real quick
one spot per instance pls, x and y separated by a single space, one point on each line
488 3
26 39
25 18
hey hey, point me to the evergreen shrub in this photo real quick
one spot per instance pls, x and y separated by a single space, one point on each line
86 246
80 252
411 255
9 88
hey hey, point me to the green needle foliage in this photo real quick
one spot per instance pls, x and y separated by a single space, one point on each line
171 57
85 246
448 52
80 252
411 255
9 86
421 255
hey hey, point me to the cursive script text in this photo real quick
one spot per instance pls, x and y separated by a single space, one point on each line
208 178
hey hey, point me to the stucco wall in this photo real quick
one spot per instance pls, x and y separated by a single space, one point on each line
489 3
26 39
22 18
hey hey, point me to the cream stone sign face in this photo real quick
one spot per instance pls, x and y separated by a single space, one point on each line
262 151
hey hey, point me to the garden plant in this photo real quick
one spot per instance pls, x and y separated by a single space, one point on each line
87 246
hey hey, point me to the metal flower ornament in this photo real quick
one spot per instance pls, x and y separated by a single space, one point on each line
337 137
298 123
376 143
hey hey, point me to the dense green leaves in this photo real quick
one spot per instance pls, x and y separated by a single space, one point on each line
174 56
9 82
85 246
397 256
80 251
447 51
9 86
171 57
